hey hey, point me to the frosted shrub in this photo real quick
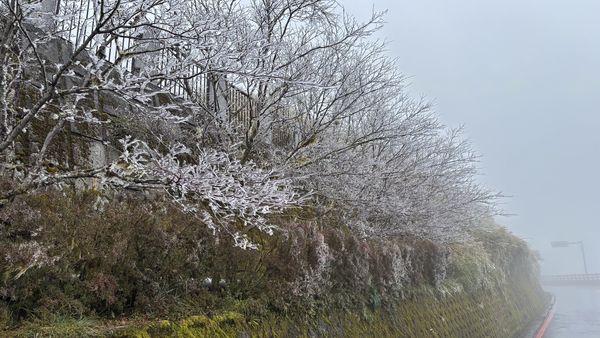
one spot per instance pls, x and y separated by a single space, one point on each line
230 190
315 269
28 255
400 266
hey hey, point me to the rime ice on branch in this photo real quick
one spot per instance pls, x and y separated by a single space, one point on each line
208 99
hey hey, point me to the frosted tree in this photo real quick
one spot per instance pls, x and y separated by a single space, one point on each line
230 108
136 53
367 146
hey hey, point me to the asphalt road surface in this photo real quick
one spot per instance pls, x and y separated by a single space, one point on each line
577 312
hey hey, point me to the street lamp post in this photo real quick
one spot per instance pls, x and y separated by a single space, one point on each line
563 244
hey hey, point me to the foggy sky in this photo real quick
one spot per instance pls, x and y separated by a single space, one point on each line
523 77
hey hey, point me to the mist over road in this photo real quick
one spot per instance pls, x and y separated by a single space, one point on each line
577 312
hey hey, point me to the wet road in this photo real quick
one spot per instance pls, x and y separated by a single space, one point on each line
577 312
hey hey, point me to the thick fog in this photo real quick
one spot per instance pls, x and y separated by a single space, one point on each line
523 77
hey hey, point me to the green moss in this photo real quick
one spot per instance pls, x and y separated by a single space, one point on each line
196 322
229 318
132 333
485 314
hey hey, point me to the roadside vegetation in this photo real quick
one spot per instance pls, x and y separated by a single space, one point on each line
75 265
223 165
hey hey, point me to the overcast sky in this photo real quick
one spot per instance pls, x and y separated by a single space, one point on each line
523 77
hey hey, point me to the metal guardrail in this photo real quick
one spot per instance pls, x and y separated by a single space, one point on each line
78 18
572 278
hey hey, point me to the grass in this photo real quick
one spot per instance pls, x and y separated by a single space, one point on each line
503 312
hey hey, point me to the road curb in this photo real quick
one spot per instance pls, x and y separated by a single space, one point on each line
541 331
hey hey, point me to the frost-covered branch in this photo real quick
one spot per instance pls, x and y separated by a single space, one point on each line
214 92
226 194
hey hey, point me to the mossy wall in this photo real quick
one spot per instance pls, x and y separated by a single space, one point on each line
79 265
504 312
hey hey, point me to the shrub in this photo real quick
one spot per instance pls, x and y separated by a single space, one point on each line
79 255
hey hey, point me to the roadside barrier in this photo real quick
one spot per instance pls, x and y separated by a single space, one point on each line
548 319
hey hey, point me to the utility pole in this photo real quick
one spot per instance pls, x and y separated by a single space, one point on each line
583 256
